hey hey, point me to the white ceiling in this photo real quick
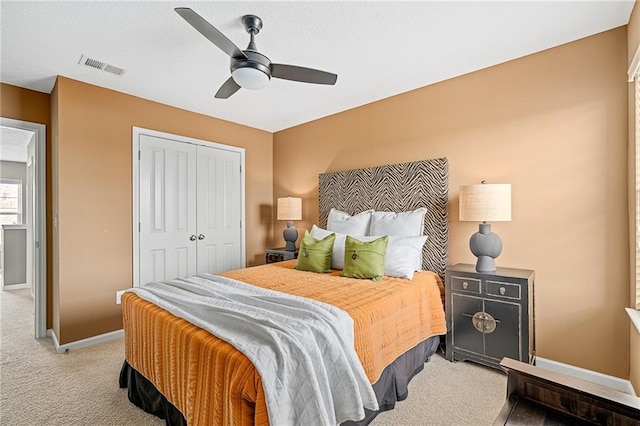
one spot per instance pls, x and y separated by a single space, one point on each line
13 144
378 49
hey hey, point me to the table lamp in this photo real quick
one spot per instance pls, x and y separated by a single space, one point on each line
290 209
485 203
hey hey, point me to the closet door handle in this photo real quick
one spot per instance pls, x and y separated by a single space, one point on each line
192 238
201 237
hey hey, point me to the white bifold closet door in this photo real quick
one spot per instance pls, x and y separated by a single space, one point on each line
218 210
190 209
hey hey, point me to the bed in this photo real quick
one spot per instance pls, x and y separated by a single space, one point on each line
184 374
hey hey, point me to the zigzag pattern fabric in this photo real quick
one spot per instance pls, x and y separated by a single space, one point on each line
397 188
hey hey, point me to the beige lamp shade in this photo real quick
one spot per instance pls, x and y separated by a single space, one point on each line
289 208
486 202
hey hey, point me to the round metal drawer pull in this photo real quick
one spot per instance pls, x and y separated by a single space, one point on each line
503 291
465 285
484 322
192 238
201 237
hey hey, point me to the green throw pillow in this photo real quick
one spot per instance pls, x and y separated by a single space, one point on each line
315 255
364 260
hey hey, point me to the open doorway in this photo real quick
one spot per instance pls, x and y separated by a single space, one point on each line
23 213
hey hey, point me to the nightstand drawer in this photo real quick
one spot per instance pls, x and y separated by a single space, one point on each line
469 285
504 290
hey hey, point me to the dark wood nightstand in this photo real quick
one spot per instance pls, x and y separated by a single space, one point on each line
489 315
279 254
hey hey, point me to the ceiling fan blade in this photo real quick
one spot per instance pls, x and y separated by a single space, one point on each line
305 75
227 89
210 32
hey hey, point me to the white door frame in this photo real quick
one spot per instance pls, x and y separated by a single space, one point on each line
40 250
31 219
135 178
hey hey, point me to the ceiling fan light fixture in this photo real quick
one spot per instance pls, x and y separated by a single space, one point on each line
250 69
250 78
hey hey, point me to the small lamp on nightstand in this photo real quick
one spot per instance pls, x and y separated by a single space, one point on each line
482 203
290 209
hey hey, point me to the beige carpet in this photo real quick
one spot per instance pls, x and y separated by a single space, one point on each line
41 387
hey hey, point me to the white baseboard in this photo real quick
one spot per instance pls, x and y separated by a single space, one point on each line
10 287
616 383
84 342
54 338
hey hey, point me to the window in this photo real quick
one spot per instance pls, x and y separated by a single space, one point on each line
10 201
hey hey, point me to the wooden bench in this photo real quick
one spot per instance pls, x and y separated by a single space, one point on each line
536 396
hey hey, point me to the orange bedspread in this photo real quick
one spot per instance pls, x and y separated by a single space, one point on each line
212 383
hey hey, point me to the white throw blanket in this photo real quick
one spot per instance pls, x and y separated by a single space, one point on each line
303 349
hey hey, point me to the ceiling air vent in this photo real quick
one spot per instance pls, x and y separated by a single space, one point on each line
94 63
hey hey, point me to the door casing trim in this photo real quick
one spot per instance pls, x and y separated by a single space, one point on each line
40 228
135 178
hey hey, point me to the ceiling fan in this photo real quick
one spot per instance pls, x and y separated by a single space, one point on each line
249 68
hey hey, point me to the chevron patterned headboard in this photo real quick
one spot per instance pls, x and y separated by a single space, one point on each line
396 187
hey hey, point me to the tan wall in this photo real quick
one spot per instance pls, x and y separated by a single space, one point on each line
633 42
28 105
554 125
94 132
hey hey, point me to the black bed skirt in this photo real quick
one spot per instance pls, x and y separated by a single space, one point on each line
389 389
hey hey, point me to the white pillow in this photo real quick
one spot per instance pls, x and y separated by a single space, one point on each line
403 253
404 224
404 256
337 257
342 222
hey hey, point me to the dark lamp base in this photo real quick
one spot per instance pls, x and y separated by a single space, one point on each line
485 264
486 246
290 235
